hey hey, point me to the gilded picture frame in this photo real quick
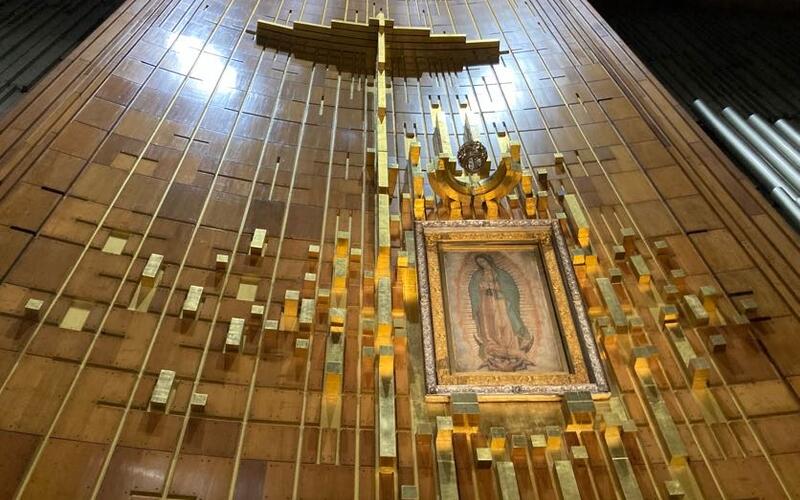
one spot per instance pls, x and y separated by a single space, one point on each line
506 250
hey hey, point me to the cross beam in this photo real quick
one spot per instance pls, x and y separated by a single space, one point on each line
409 51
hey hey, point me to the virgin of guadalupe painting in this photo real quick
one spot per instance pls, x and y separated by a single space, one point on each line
503 338
499 311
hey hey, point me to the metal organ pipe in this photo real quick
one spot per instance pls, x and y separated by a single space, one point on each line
789 131
779 191
775 159
773 137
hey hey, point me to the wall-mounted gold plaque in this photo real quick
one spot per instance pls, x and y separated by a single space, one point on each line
501 311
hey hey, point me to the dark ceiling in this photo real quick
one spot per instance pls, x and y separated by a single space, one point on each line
35 35
741 52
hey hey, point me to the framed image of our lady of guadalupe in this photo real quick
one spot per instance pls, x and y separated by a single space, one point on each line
501 311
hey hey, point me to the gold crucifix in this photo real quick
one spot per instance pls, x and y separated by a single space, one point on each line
410 51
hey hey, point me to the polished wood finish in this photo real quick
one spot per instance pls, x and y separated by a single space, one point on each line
173 133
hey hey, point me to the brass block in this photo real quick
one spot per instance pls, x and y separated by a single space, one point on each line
526 183
162 389
661 247
408 491
233 339
668 313
313 252
697 313
386 361
558 161
579 453
717 343
670 293
191 305
609 335
611 301
709 295
541 177
619 252
483 458
553 433
519 446
640 269
748 306
699 369
301 347
635 324
309 285
578 256
291 301
642 354
577 218
151 269
538 441
541 202
674 489
497 438
615 275
258 242
257 311
221 262
565 479
33 308
678 277
444 433
419 208
198 401
307 310
628 240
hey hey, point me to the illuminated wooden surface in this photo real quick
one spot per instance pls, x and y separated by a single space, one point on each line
175 134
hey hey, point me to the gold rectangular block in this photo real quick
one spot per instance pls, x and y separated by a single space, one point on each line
313 252
221 261
717 343
565 479
668 313
198 401
307 312
619 252
554 434
507 480
558 161
661 247
697 313
678 278
258 242
709 295
612 304
191 304
640 269
628 240
162 389
577 219
699 370
386 362
33 308
483 458
291 301
151 269
497 438
233 339
301 346
670 293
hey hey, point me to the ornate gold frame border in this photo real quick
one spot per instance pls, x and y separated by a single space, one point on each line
586 368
